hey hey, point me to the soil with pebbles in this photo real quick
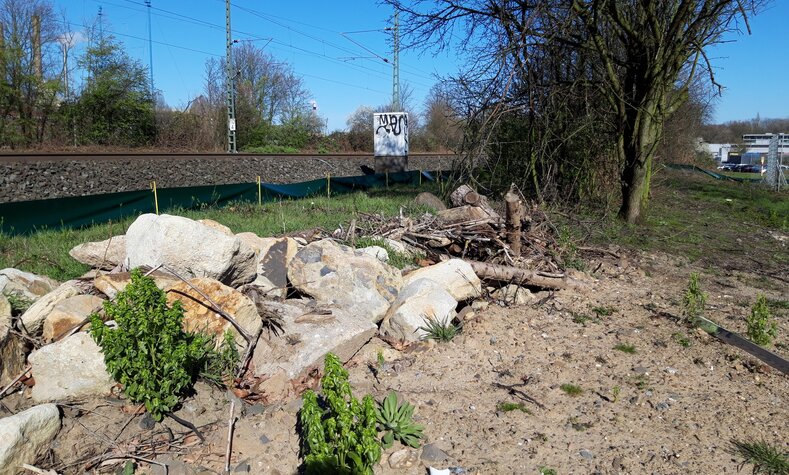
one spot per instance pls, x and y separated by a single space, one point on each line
673 406
25 179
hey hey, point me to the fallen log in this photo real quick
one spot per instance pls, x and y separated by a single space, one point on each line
463 214
515 275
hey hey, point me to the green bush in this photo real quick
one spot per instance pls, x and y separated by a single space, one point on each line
761 326
149 353
338 433
694 299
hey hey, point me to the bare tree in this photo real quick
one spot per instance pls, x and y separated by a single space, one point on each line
637 57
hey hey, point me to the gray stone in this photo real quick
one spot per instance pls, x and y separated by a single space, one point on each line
12 347
307 335
68 313
189 248
403 458
586 454
274 255
146 422
30 286
432 453
430 200
513 295
375 251
418 301
26 436
33 318
662 406
70 368
455 275
344 278
106 254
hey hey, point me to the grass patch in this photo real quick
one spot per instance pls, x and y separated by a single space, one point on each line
681 339
625 348
641 381
603 311
396 259
765 458
512 406
46 252
439 330
583 319
571 389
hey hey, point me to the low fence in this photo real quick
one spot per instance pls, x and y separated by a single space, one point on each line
717 176
24 217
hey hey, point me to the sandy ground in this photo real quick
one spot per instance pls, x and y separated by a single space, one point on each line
667 408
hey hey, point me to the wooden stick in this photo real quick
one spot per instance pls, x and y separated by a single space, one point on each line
15 380
513 220
519 276
230 425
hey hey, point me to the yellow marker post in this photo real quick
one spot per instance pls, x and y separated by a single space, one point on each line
155 197
328 185
260 194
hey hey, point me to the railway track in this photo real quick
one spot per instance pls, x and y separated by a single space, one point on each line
121 156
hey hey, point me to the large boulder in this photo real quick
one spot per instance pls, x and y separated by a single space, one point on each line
68 369
274 255
307 333
340 276
68 313
455 275
418 301
27 285
12 347
106 254
33 319
26 436
111 284
198 315
189 248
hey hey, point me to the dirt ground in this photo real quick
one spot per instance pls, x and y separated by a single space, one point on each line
673 406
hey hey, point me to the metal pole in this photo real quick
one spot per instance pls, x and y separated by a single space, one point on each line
150 47
396 65
231 79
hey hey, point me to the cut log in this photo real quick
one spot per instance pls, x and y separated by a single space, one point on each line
463 214
464 195
513 220
518 276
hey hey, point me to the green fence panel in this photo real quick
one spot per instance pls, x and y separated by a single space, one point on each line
23 217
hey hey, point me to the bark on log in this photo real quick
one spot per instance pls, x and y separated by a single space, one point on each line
464 195
462 214
518 276
513 221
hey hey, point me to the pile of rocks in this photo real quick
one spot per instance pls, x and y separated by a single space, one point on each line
300 300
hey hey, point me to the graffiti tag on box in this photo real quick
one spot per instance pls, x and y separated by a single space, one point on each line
391 134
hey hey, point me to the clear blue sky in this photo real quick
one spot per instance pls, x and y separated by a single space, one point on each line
342 75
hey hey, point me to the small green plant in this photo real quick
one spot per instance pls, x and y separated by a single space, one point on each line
694 299
396 258
396 423
568 250
149 353
765 458
625 348
571 389
547 471
604 311
379 356
338 433
615 392
512 406
681 339
19 303
581 318
220 366
761 328
439 330
640 381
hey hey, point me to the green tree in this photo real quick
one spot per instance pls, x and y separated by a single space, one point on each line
29 72
115 106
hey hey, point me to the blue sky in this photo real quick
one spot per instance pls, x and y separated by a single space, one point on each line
342 75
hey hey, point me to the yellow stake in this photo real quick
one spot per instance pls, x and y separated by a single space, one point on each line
328 185
260 194
155 196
